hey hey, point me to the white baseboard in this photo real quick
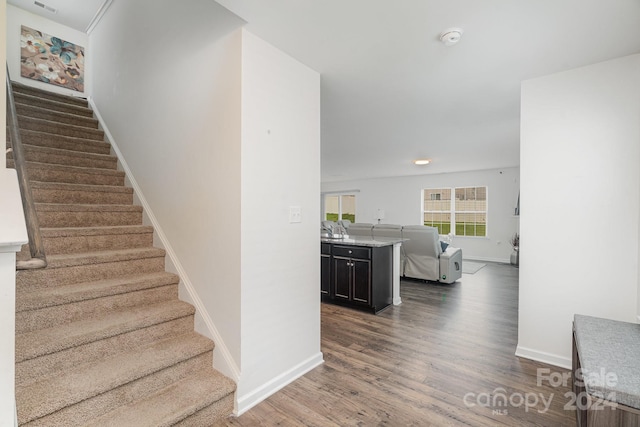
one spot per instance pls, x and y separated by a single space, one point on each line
541 356
252 398
223 361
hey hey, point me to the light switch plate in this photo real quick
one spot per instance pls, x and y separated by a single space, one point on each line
295 214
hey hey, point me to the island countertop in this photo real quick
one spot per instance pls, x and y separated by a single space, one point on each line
363 241
608 352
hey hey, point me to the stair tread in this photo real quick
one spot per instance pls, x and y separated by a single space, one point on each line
22 118
50 340
92 379
26 109
95 231
26 134
60 295
74 100
172 404
69 153
78 207
81 187
84 258
27 99
88 170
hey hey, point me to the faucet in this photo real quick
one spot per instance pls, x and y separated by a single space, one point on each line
328 229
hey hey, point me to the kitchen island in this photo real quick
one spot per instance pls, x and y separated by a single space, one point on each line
359 272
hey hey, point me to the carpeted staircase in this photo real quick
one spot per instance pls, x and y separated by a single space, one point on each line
101 336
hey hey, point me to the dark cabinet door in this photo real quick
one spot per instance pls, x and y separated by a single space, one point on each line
342 279
356 276
325 274
361 281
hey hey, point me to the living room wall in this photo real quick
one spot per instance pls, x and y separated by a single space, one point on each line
580 171
400 197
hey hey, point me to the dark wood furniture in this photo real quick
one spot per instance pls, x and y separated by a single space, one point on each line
606 372
357 274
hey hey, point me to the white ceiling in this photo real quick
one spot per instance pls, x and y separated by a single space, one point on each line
77 14
391 92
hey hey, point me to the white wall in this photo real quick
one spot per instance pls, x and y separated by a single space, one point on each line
280 267
400 197
580 180
3 73
13 234
173 108
8 193
17 17
221 133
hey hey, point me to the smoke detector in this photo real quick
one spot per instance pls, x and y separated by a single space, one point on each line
451 36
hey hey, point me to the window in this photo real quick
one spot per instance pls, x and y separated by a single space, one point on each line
340 206
437 209
466 216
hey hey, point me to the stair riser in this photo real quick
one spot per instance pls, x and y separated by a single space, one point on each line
27 321
216 411
55 116
88 219
32 369
52 96
82 412
41 195
65 142
71 176
89 161
37 279
52 105
54 128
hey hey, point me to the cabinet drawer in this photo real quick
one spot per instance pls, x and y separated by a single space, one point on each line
352 252
325 248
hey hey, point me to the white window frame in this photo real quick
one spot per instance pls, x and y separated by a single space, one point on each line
339 195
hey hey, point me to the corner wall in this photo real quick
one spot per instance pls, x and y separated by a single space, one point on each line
167 84
280 260
580 172
400 197
221 132
17 17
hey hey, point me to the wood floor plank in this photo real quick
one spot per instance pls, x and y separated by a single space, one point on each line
443 357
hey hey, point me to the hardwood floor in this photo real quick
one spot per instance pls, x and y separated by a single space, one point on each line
443 357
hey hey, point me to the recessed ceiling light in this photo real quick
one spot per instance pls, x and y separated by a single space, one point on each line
420 162
451 36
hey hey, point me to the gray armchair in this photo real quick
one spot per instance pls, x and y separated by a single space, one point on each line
361 229
424 258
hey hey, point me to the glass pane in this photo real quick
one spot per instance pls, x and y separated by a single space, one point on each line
331 208
437 199
349 207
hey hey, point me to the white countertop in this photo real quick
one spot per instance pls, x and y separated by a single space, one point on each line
363 241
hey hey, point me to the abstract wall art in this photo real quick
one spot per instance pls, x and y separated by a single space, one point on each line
51 60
